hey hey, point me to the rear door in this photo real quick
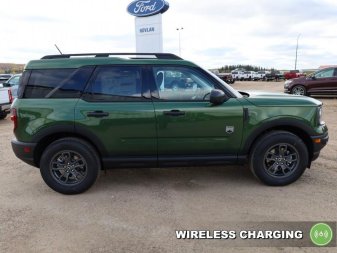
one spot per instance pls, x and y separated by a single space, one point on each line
189 127
115 114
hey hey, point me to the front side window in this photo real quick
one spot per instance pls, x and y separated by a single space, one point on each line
115 83
181 83
325 73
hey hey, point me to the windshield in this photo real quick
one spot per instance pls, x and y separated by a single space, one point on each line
228 87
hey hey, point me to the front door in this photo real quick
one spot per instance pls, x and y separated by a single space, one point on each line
188 125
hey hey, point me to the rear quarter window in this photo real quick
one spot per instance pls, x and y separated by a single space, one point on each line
57 83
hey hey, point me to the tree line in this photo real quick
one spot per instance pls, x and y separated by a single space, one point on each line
11 68
229 68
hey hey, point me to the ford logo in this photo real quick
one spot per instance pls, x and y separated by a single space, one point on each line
144 8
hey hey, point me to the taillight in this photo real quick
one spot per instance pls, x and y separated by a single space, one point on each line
14 118
10 95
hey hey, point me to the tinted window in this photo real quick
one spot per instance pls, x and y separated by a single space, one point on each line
14 80
180 83
57 83
114 83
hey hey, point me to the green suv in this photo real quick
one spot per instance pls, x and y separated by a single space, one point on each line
77 114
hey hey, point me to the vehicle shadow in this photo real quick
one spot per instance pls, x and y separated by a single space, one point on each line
178 178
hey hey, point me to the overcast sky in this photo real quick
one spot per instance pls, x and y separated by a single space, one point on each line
216 32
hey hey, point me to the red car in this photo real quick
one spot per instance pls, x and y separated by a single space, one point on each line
322 82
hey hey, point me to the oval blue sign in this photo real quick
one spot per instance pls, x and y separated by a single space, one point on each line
144 8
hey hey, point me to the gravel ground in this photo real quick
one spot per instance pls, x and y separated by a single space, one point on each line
138 210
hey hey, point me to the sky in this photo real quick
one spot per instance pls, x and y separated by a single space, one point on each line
216 32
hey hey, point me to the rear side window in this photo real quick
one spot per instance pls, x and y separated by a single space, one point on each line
57 83
116 83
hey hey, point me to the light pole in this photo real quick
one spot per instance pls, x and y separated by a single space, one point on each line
296 51
179 29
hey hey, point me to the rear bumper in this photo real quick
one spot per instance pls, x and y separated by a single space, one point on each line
24 151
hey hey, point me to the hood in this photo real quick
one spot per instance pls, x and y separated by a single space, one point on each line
263 98
298 79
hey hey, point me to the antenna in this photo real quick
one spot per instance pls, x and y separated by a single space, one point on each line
58 48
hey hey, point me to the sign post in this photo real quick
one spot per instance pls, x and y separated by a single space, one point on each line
148 24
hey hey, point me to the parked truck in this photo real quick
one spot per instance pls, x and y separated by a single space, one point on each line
293 74
6 99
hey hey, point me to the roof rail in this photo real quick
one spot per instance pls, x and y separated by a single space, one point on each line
165 56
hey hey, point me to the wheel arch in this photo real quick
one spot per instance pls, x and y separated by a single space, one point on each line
296 127
48 136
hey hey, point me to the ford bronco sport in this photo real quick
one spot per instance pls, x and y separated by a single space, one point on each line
77 114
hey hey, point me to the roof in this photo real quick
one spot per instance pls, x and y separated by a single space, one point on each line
80 60
327 66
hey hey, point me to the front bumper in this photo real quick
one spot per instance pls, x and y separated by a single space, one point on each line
319 142
24 151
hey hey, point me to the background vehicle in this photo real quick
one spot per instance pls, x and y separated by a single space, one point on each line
322 82
227 77
260 75
13 84
4 78
5 102
238 75
76 114
293 74
249 75
274 76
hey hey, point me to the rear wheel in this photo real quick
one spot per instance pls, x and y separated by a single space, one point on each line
279 158
70 166
299 90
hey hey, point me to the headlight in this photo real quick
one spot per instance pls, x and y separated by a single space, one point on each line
319 115
286 84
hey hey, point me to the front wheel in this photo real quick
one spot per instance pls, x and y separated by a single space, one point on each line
299 90
279 158
70 165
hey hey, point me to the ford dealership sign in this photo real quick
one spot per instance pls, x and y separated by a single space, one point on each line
144 8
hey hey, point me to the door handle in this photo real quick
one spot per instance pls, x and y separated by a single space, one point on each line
98 114
174 113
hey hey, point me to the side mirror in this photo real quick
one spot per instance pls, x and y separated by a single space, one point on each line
5 84
313 77
218 97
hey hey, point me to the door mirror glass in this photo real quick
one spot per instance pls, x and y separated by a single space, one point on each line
218 97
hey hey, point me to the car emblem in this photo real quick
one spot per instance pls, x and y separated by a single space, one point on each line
229 129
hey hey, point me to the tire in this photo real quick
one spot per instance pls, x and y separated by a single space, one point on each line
3 115
70 165
299 90
279 158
